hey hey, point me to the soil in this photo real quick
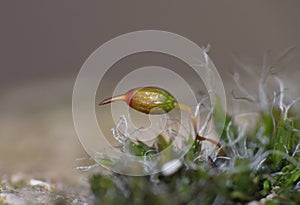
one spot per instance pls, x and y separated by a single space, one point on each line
39 146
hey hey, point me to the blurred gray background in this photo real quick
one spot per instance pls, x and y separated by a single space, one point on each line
43 45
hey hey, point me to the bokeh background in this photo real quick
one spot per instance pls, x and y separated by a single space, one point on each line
43 45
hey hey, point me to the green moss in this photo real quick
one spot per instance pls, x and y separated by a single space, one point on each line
254 165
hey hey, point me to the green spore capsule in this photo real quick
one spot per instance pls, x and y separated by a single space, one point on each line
148 100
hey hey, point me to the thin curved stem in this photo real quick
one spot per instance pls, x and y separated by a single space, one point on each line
194 121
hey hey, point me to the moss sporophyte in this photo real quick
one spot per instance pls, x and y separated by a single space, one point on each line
148 100
154 100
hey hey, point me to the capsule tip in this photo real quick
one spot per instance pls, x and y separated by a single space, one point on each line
106 101
113 99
